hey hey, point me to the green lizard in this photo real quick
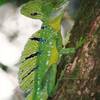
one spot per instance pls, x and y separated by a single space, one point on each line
42 52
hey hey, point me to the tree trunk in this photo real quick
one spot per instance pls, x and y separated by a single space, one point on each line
81 79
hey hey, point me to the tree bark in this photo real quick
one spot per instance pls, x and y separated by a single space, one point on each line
81 79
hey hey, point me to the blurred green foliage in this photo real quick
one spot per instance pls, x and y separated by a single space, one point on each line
3 1
16 2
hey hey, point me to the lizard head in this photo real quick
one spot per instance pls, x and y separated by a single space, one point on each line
37 10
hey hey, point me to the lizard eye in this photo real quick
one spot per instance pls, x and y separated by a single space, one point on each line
43 27
34 14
